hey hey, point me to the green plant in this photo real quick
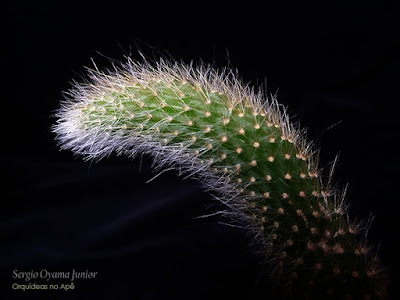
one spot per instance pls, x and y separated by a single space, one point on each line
242 146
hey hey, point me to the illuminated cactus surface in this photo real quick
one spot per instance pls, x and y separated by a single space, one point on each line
209 125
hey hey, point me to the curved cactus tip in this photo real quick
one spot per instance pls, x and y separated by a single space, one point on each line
241 145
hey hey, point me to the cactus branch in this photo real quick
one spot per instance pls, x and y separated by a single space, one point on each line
242 146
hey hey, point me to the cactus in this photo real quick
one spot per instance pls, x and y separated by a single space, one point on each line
242 147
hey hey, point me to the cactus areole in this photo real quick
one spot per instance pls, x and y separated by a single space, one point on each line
241 145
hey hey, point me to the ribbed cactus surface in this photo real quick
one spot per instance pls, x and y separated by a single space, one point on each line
241 145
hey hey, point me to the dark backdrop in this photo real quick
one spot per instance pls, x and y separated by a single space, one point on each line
334 65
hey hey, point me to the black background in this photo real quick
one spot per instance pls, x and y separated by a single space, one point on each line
334 65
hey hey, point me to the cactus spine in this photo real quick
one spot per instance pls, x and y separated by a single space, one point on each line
209 125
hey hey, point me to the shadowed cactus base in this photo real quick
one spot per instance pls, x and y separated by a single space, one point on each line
209 125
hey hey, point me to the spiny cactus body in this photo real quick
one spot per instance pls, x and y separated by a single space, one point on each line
241 145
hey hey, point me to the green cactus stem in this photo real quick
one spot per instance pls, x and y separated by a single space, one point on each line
241 145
